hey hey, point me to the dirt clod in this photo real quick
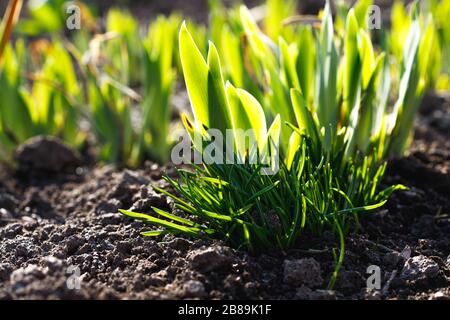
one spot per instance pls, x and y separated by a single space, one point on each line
48 154
209 259
440 296
7 201
26 275
392 259
419 267
302 271
5 215
193 289
12 230
305 293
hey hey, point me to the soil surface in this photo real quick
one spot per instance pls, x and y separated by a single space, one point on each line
62 238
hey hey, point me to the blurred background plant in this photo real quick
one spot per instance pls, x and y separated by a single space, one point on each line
438 47
55 82
130 135
347 79
50 17
6 25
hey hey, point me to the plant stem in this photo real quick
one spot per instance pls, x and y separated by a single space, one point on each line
10 19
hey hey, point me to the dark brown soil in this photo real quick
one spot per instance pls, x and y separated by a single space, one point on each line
54 225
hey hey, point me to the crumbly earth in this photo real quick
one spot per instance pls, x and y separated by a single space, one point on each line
62 238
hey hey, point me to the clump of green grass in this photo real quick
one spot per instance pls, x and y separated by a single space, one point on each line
319 185
261 212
